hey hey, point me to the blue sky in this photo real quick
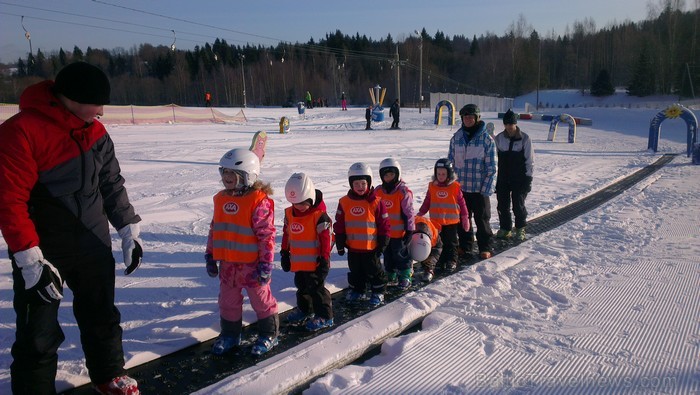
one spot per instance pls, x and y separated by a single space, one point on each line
124 23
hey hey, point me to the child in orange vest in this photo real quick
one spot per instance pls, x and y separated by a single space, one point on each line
242 240
448 210
362 226
398 200
306 250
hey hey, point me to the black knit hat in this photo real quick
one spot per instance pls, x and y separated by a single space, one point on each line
510 118
83 83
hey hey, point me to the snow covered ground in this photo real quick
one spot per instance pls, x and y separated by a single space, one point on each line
606 303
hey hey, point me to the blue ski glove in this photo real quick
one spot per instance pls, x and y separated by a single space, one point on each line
212 265
42 281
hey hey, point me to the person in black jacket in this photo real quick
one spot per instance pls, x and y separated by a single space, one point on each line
61 189
368 117
514 181
394 113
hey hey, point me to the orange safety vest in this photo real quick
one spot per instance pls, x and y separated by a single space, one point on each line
444 209
233 236
392 202
304 246
434 232
360 223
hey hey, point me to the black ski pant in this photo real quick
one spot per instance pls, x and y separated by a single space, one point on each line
479 207
312 295
365 267
504 196
395 123
91 277
448 235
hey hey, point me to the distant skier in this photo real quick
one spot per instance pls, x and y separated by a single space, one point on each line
306 250
394 114
240 251
309 102
343 102
368 117
515 163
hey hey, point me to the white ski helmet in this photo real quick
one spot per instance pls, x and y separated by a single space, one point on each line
360 171
419 247
299 188
243 161
390 164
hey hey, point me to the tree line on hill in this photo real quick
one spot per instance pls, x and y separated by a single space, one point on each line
654 56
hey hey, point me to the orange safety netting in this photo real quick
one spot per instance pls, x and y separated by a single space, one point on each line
133 115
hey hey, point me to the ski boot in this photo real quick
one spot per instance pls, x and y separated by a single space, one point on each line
225 344
319 323
263 345
298 317
376 299
504 234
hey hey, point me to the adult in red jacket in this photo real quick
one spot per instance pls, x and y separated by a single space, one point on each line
61 188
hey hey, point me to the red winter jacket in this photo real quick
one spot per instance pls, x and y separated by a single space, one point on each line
60 179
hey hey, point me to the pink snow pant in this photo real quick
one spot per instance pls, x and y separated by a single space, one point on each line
234 278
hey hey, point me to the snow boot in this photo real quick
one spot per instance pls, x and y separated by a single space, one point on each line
519 234
355 296
485 254
391 279
428 276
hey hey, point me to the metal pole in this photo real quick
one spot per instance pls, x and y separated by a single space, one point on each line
241 57
539 62
420 73
690 78
398 75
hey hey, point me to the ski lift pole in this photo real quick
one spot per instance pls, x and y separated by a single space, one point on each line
29 38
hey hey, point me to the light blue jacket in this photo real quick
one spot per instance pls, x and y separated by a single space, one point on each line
475 161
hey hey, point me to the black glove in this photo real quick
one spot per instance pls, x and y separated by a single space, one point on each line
323 267
42 281
212 265
382 243
407 237
131 247
284 261
340 243
527 185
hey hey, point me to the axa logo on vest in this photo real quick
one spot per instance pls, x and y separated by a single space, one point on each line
231 208
357 211
442 194
388 203
296 228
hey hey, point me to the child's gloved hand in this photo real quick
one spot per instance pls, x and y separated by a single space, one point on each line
212 265
285 261
323 267
264 273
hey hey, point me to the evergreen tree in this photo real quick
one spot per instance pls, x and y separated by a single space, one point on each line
602 86
644 78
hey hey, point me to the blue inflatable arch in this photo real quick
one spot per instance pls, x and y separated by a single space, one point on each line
673 111
451 114
563 118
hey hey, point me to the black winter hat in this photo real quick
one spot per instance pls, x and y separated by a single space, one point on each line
510 118
470 109
83 83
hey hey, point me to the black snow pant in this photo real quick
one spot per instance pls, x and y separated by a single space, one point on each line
91 278
368 126
365 267
479 207
504 195
395 123
312 295
394 262
448 234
